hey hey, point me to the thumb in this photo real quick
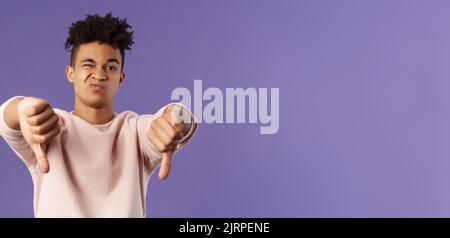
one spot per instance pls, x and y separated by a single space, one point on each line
41 156
165 165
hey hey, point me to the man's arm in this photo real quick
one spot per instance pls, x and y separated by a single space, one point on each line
35 119
11 116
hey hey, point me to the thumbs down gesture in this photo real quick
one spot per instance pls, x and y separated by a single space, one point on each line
39 124
167 131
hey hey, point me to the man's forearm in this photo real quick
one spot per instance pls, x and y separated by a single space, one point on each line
10 114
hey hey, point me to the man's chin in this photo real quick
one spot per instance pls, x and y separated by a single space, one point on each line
96 103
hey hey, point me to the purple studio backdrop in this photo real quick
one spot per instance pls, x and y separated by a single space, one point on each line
364 103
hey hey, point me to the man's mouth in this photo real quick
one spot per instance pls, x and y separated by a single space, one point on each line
96 87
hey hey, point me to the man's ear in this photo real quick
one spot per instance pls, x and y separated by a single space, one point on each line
69 73
122 78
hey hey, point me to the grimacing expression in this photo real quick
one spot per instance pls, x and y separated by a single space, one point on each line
96 74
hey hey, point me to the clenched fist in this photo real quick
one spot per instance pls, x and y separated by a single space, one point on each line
39 124
165 133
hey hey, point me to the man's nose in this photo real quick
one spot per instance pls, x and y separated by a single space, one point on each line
99 74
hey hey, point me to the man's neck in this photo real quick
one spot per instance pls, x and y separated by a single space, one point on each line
92 115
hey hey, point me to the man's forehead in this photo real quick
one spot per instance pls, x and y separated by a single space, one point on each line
98 52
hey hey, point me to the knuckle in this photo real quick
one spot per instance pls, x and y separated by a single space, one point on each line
152 136
159 120
32 121
177 128
173 135
43 101
54 120
166 144
33 130
152 131
32 110
181 127
38 138
160 148
38 130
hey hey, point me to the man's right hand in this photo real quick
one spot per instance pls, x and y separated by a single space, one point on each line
39 124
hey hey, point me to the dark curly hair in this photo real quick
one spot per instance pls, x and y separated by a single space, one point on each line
107 29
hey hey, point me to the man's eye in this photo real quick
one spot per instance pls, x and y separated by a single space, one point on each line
112 68
87 65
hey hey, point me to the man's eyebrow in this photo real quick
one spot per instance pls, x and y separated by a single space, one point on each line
92 61
88 60
113 60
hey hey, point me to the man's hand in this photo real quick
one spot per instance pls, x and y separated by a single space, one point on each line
39 124
165 133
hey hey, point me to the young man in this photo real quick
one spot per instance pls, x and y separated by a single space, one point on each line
93 162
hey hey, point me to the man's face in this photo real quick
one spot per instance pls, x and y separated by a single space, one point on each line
96 74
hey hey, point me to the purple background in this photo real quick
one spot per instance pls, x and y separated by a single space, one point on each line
364 101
